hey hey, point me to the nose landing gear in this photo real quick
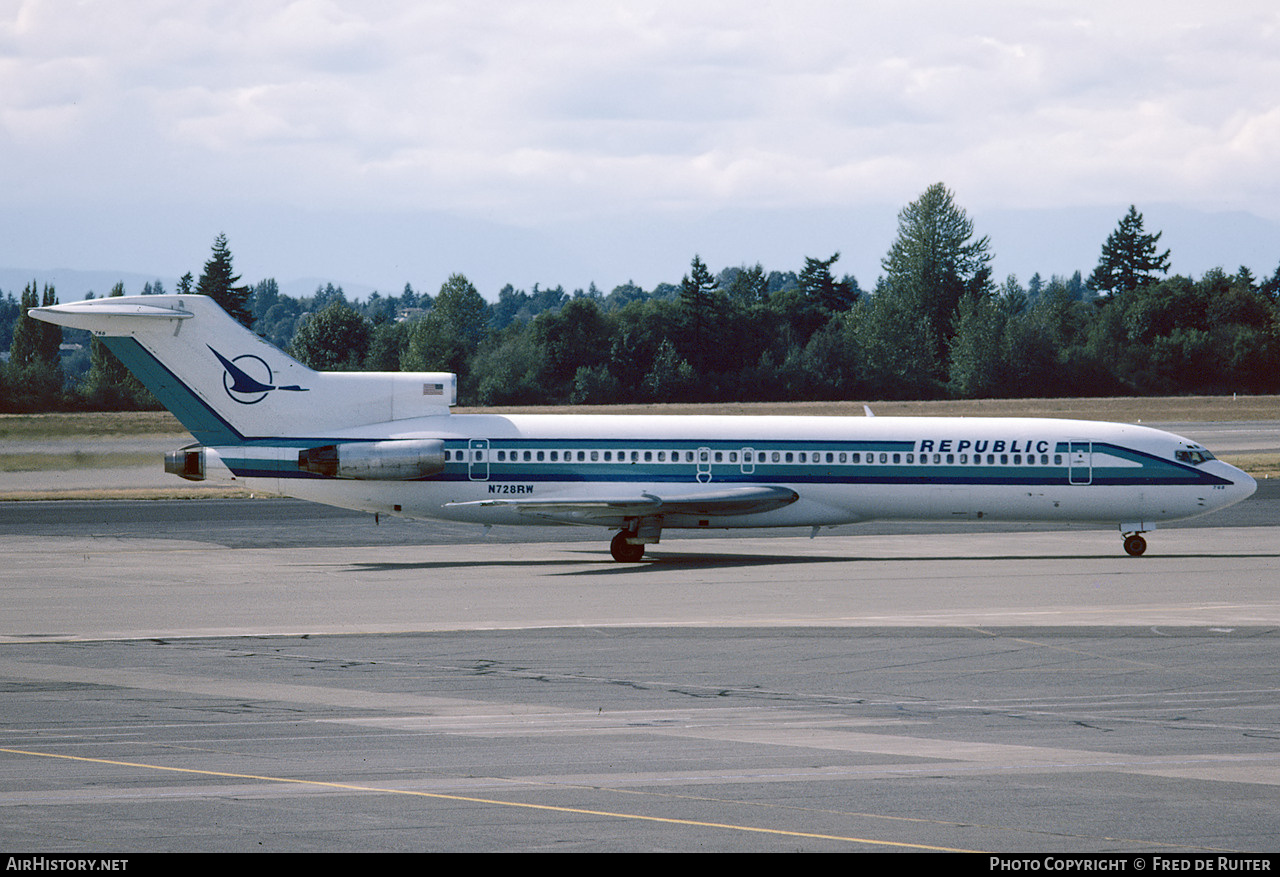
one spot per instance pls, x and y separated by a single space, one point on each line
1134 544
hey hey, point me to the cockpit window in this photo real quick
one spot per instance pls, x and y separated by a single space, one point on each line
1195 457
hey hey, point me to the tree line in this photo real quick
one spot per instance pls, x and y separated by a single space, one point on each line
935 325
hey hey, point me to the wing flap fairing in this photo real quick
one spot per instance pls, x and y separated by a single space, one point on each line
724 502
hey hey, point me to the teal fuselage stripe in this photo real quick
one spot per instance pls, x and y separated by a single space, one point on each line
210 428
1150 471
192 412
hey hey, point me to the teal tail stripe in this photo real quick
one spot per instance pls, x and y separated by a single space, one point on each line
208 427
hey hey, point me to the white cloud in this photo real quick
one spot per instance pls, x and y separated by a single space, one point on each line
572 109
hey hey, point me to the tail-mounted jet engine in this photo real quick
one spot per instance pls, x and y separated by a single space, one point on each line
393 460
186 463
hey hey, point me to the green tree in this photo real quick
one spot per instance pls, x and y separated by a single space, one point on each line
450 334
746 286
508 370
386 346
670 377
934 262
576 336
34 371
1129 257
335 339
977 367
697 301
35 341
818 284
262 298
219 282
108 385
464 310
594 386
899 345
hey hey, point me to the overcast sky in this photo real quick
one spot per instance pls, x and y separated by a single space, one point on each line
381 141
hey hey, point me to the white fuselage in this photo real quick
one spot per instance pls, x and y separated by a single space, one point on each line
388 443
514 469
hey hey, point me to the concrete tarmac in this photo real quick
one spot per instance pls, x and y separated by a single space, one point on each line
1008 691
266 675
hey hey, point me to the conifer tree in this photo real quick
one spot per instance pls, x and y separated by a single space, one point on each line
219 282
696 299
1129 257
934 262
34 371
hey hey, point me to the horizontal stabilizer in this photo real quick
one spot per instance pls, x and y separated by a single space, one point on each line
107 316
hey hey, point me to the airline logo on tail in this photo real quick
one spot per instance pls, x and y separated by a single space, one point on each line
242 386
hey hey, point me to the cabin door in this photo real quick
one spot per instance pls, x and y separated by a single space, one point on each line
1080 462
478 459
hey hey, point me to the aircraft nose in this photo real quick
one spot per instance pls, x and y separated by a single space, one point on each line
1242 486
1245 483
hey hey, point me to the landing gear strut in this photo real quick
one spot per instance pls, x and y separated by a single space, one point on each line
623 551
1134 544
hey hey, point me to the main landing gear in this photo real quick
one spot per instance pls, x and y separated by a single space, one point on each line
636 533
1134 544
623 551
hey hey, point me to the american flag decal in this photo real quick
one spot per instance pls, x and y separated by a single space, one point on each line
433 389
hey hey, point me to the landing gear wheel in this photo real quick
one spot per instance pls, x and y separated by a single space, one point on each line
1134 545
623 551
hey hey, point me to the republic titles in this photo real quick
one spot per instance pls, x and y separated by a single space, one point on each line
983 446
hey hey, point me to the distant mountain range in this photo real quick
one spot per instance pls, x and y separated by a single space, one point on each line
385 252
73 285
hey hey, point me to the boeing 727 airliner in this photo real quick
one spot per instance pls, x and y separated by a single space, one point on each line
387 442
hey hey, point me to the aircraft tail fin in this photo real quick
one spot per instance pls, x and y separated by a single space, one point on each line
225 384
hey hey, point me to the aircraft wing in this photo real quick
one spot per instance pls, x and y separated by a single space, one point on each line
589 509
